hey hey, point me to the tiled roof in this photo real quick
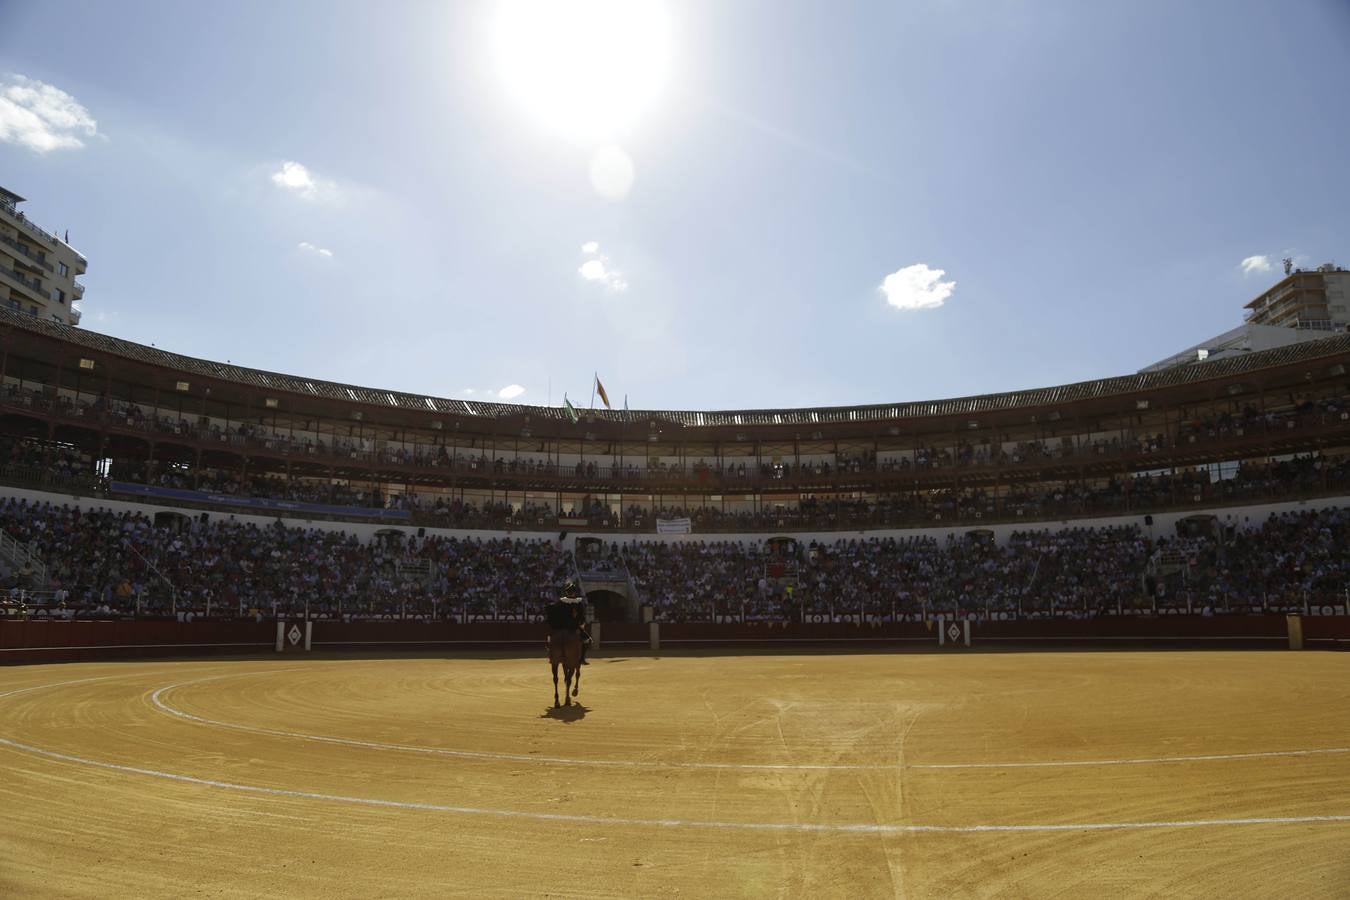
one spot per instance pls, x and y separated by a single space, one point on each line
1228 368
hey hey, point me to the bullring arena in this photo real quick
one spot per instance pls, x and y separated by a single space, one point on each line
899 773
267 635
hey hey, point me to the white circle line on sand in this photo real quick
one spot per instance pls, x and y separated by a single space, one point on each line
1130 761
43 687
156 699
574 818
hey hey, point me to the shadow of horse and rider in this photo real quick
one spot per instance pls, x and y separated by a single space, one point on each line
572 712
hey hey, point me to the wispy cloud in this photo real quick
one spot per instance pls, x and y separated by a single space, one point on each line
467 392
1254 264
510 392
42 117
299 180
917 287
598 270
316 250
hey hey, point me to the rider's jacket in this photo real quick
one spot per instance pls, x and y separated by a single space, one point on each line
564 616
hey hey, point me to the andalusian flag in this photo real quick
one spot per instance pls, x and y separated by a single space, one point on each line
600 389
571 410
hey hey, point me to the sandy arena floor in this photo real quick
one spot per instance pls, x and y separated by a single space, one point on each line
916 775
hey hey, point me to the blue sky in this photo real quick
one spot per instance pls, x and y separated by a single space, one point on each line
1090 178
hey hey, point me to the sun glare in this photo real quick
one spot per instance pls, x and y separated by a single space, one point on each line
585 69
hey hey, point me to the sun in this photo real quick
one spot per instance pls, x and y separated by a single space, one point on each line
584 69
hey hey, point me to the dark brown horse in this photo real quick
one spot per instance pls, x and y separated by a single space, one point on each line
564 646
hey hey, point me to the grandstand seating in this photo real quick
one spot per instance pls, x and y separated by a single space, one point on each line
106 563
88 413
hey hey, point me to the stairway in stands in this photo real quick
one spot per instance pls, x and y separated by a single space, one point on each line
16 558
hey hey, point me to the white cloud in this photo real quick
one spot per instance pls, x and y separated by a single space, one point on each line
318 251
598 270
510 392
917 287
1256 264
467 392
293 176
299 180
41 117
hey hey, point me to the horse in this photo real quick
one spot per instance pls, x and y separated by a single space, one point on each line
564 646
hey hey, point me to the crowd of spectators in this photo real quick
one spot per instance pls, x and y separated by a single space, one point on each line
346 441
1143 493
124 563
240 484
1071 572
1287 562
1303 476
112 563
36 461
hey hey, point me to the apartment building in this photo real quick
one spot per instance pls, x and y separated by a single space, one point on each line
37 268
1312 300
1303 306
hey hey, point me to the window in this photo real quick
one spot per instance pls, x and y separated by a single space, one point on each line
59 294
15 304
32 311
63 268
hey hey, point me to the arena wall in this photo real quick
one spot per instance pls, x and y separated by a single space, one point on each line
62 641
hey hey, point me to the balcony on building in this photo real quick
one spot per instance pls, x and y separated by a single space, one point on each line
37 257
31 285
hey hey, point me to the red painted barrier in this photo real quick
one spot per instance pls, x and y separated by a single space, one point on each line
1326 631
333 635
1179 631
622 634
54 641
790 633
42 640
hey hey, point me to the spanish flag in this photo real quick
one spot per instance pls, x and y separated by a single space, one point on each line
600 389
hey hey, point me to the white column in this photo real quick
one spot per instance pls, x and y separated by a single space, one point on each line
309 633
281 635
656 635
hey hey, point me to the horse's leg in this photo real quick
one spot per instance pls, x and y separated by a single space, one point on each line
556 702
567 684
577 686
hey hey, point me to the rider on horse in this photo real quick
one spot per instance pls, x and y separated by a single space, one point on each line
568 613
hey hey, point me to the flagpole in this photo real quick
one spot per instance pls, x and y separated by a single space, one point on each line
595 379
